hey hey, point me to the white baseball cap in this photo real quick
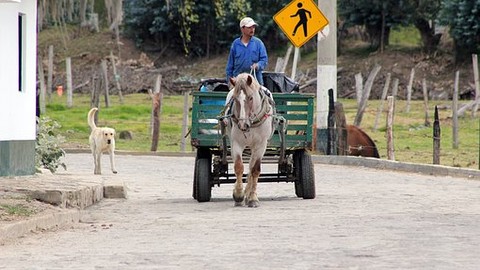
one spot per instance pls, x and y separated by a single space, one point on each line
247 22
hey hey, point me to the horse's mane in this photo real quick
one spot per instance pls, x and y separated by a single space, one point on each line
241 83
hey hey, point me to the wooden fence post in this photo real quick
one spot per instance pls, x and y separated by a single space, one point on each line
409 90
331 124
390 114
95 91
455 111
365 95
477 84
382 99
296 55
50 72
156 110
341 125
105 80
436 138
395 88
185 120
116 77
41 89
425 102
286 59
68 63
359 88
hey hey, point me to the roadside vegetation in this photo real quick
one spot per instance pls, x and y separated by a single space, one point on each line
171 49
413 141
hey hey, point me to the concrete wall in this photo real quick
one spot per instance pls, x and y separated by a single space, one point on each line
17 106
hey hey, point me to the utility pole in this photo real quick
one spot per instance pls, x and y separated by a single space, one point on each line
326 70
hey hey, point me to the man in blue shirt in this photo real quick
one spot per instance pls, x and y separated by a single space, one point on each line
247 53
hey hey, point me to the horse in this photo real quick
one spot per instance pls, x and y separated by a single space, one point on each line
251 125
360 144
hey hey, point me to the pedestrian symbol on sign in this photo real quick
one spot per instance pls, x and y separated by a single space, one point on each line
302 13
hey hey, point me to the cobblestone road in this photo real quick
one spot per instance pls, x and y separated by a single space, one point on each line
361 219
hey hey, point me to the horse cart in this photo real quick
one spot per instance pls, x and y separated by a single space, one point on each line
288 147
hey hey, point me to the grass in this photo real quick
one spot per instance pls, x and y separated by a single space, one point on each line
17 210
412 140
408 36
134 116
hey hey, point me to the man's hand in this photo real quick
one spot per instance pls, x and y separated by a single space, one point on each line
254 66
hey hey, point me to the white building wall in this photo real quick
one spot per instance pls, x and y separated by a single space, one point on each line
17 109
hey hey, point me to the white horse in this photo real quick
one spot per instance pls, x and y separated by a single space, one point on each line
250 126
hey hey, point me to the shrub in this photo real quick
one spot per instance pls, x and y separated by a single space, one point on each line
47 148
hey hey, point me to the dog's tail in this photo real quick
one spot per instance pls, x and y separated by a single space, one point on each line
91 118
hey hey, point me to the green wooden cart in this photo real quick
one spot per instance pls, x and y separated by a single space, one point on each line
289 147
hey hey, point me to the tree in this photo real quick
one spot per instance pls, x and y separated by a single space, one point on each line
207 27
463 18
377 16
424 13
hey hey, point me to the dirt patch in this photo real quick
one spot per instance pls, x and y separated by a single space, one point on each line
15 206
138 69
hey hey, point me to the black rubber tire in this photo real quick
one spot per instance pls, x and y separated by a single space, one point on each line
201 153
305 184
308 177
296 167
194 192
203 176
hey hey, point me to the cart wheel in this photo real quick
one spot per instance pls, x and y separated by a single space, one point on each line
201 153
203 175
194 192
297 169
305 184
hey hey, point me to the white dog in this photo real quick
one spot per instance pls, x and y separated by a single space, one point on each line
102 139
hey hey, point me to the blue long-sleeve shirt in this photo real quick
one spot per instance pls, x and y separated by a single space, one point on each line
242 57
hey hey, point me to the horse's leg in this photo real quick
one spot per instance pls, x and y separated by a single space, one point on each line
238 194
251 198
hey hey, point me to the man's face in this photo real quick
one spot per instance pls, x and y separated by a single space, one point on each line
248 31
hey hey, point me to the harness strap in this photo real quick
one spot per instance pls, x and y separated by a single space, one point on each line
263 114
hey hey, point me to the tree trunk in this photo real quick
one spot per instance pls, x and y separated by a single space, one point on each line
430 41
375 35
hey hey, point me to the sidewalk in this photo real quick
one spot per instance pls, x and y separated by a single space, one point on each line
51 200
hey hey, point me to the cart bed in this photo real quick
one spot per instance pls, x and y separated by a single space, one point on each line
295 108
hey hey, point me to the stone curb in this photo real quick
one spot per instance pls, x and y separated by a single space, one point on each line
382 164
70 201
48 221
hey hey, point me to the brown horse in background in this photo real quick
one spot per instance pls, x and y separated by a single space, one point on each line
360 144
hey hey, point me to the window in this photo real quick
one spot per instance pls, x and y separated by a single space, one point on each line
21 51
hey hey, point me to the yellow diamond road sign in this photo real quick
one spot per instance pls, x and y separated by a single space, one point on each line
300 21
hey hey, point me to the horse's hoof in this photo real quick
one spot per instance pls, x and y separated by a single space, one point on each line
253 204
238 204
238 199
115 172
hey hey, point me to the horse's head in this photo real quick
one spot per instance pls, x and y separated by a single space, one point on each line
246 100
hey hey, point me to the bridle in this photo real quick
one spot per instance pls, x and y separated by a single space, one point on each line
252 118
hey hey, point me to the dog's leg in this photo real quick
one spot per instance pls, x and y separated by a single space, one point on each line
94 163
112 161
98 166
